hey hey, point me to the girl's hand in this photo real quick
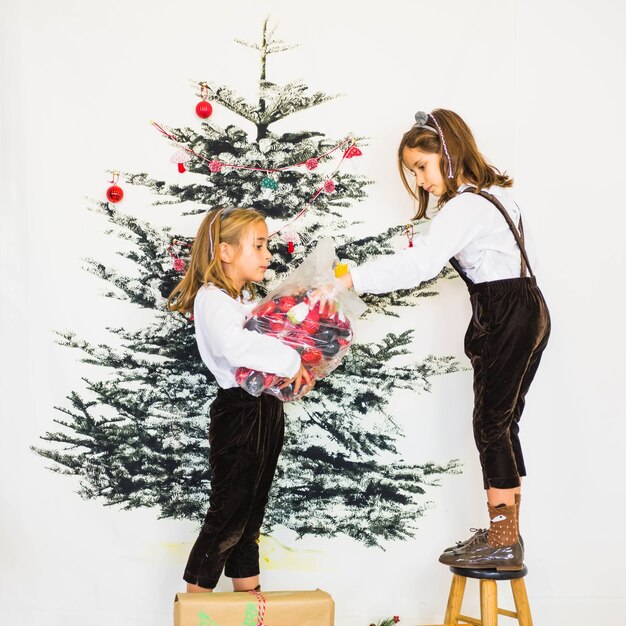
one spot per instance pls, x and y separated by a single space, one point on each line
325 297
346 280
302 377
312 384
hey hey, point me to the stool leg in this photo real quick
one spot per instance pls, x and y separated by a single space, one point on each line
521 602
455 599
488 603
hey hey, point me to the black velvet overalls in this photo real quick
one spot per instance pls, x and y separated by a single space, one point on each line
246 436
505 339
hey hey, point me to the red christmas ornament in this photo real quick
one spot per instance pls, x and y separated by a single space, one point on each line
311 163
204 109
291 238
286 302
241 374
312 356
329 186
277 323
180 158
115 193
309 325
352 151
215 166
265 309
314 313
179 265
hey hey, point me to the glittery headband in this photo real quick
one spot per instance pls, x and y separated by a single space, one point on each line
221 213
421 120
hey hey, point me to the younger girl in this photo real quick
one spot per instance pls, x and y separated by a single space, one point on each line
479 229
245 433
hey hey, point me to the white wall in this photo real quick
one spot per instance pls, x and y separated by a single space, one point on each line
569 165
539 84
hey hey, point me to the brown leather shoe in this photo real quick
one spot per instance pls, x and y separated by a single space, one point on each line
478 554
478 533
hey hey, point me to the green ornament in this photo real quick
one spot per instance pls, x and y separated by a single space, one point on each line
269 183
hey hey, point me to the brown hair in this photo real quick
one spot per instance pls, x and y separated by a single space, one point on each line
204 268
468 164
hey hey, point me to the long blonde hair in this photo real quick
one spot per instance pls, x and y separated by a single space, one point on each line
205 263
468 163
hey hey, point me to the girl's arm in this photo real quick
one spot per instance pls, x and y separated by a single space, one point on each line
219 323
456 224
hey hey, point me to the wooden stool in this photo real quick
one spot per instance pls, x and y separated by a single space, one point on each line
489 610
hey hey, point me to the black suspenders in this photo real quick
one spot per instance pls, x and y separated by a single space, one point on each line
519 236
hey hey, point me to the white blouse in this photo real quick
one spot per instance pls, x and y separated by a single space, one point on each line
225 344
467 227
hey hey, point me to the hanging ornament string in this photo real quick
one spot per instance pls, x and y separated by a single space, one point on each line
311 163
216 166
409 232
114 193
324 187
204 108
179 264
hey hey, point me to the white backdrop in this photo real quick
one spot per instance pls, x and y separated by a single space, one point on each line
539 83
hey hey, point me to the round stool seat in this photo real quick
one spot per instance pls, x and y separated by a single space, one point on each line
489 574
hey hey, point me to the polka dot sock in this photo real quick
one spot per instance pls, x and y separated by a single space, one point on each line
503 525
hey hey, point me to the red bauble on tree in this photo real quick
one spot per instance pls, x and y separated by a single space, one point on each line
352 151
204 108
115 193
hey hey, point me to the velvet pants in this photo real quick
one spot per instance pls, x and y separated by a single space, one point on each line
505 339
245 437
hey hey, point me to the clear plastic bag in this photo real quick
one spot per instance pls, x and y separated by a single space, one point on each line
311 312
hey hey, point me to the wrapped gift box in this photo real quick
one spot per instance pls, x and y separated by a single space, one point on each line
272 608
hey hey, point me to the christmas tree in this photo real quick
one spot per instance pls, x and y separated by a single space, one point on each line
137 437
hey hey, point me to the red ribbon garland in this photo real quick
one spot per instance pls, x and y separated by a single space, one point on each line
247 167
281 169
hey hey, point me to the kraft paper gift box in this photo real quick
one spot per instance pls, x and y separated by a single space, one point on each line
281 608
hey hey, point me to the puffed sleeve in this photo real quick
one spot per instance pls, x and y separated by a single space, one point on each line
222 320
454 226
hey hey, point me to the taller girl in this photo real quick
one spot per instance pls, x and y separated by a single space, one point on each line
478 228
